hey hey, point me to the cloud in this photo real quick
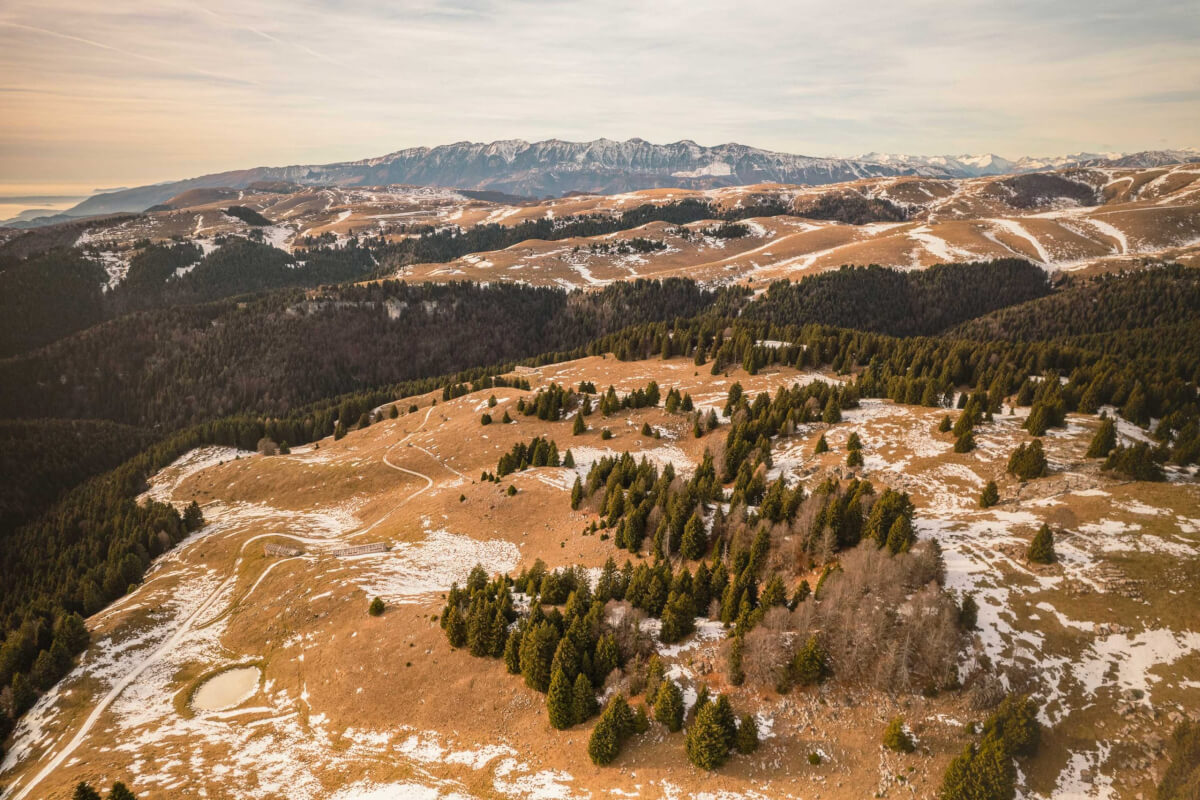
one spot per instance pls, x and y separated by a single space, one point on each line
165 89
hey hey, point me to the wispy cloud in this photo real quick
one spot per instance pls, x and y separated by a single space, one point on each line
138 90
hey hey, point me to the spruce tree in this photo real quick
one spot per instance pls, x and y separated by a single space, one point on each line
822 446
512 653
901 536
695 539
668 706
736 675
707 747
1104 441
84 791
809 665
560 701
945 425
854 458
580 426
727 720
833 412
583 698
747 735
1041 549
376 607
120 792
965 443
538 646
990 495
604 743
576 491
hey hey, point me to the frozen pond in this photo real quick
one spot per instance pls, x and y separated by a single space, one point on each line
228 689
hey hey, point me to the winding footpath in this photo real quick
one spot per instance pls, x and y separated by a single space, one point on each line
190 622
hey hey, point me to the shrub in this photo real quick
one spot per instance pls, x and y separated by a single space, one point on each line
376 607
896 738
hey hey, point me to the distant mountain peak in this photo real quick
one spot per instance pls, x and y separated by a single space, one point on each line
606 166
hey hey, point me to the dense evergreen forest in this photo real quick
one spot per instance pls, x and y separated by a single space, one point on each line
40 459
918 303
170 368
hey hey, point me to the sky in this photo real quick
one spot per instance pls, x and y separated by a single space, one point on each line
101 94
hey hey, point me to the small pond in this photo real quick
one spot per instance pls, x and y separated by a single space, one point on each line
227 689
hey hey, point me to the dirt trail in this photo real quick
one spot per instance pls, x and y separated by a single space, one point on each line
191 621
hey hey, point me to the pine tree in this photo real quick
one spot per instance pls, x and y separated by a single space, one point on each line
654 676
968 612
833 412
727 720
822 446
901 536
695 539
583 698
569 460
809 665
120 792
945 425
1041 549
1028 461
576 491
512 653
580 426
1104 441
736 674
376 607
990 495
707 747
747 735
965 443
84 791
854 458
668 706
538 646
456 627
560 701
896 738
604 743
1016 724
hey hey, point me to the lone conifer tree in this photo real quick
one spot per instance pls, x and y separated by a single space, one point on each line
604 743
580 426
707 746
376 607
990 496
822 446
1041 549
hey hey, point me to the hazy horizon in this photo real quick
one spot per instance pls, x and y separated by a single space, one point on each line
137 92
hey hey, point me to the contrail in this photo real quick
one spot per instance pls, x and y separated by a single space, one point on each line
142 56
273 39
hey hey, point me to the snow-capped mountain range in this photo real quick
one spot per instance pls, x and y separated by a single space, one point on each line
605 166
